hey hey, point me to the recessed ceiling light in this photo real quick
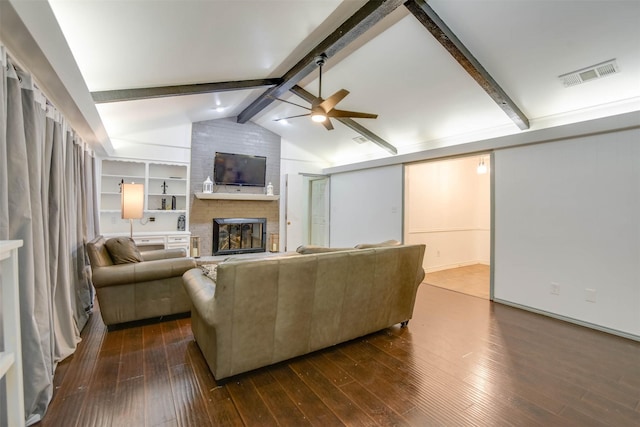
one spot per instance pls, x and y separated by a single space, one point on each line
219 109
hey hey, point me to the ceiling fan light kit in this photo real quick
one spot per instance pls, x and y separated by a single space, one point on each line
318 117
322 110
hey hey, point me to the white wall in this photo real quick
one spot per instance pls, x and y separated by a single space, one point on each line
568 212
447 208
294 161
170 144
366 206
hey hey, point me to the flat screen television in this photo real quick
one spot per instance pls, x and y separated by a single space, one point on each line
239 169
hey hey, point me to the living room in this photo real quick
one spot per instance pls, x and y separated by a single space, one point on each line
564 194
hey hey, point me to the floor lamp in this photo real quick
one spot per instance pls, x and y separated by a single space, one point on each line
132 203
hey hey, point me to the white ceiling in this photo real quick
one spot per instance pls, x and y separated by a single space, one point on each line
423 97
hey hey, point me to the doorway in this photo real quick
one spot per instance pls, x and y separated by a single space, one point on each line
448 208
307 210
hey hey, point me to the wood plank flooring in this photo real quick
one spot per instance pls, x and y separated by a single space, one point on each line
471 280
462 361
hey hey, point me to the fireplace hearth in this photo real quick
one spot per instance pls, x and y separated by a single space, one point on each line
239 235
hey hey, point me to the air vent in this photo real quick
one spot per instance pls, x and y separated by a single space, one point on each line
360 139
594 72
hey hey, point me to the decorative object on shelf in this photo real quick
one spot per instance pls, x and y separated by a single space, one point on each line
173 203
270 189
195 246
164 187
181 222
164 204
274 242
120 185
207 185
132 203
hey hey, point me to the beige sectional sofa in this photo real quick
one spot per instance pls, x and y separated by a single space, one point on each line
257 312
133 285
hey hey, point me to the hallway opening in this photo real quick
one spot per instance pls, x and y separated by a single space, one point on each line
448 208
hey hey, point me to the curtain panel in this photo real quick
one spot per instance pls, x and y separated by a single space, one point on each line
48 200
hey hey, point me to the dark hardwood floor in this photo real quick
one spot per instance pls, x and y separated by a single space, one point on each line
461 361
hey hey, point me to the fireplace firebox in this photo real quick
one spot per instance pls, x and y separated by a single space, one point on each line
239 235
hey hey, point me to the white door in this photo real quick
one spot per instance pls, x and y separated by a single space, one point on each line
319 211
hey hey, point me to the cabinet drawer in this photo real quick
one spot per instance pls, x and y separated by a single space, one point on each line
178 239
148 241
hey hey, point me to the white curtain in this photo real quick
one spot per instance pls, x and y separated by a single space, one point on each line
47 199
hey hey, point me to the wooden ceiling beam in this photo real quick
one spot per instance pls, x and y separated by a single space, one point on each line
436 26
310 98
179 90
365 18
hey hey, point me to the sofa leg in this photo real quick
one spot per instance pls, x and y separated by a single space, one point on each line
404 324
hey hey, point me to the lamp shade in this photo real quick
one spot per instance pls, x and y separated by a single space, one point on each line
132 201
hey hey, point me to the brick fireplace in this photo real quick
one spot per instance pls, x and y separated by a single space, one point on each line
226 135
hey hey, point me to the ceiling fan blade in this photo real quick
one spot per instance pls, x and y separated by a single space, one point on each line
328 104
351 114
292 103
291 117
327 124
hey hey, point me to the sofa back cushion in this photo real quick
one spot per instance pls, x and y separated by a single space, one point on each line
378 245
315 249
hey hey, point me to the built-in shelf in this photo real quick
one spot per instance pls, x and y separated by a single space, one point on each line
162 182
236 196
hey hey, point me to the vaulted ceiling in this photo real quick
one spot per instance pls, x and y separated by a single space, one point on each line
215 59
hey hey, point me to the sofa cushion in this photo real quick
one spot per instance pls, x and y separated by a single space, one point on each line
123 250
314 249
378 245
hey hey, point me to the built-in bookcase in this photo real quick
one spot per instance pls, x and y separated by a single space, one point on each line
162 181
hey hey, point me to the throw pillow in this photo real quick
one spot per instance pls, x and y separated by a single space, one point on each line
123 250
210 270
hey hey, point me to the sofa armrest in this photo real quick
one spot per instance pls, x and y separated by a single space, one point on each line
201 291
122 274
164 254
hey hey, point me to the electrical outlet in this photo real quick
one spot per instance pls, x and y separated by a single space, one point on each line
152 219
438 253
590 295
555 288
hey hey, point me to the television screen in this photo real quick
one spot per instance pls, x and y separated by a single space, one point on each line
239 169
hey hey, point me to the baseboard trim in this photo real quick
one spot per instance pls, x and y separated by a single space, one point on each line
570 320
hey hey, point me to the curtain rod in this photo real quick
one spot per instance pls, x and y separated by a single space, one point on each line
51 110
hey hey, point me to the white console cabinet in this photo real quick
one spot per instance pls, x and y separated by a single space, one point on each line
150 241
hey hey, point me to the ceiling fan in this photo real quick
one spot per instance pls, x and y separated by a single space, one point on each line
323 109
